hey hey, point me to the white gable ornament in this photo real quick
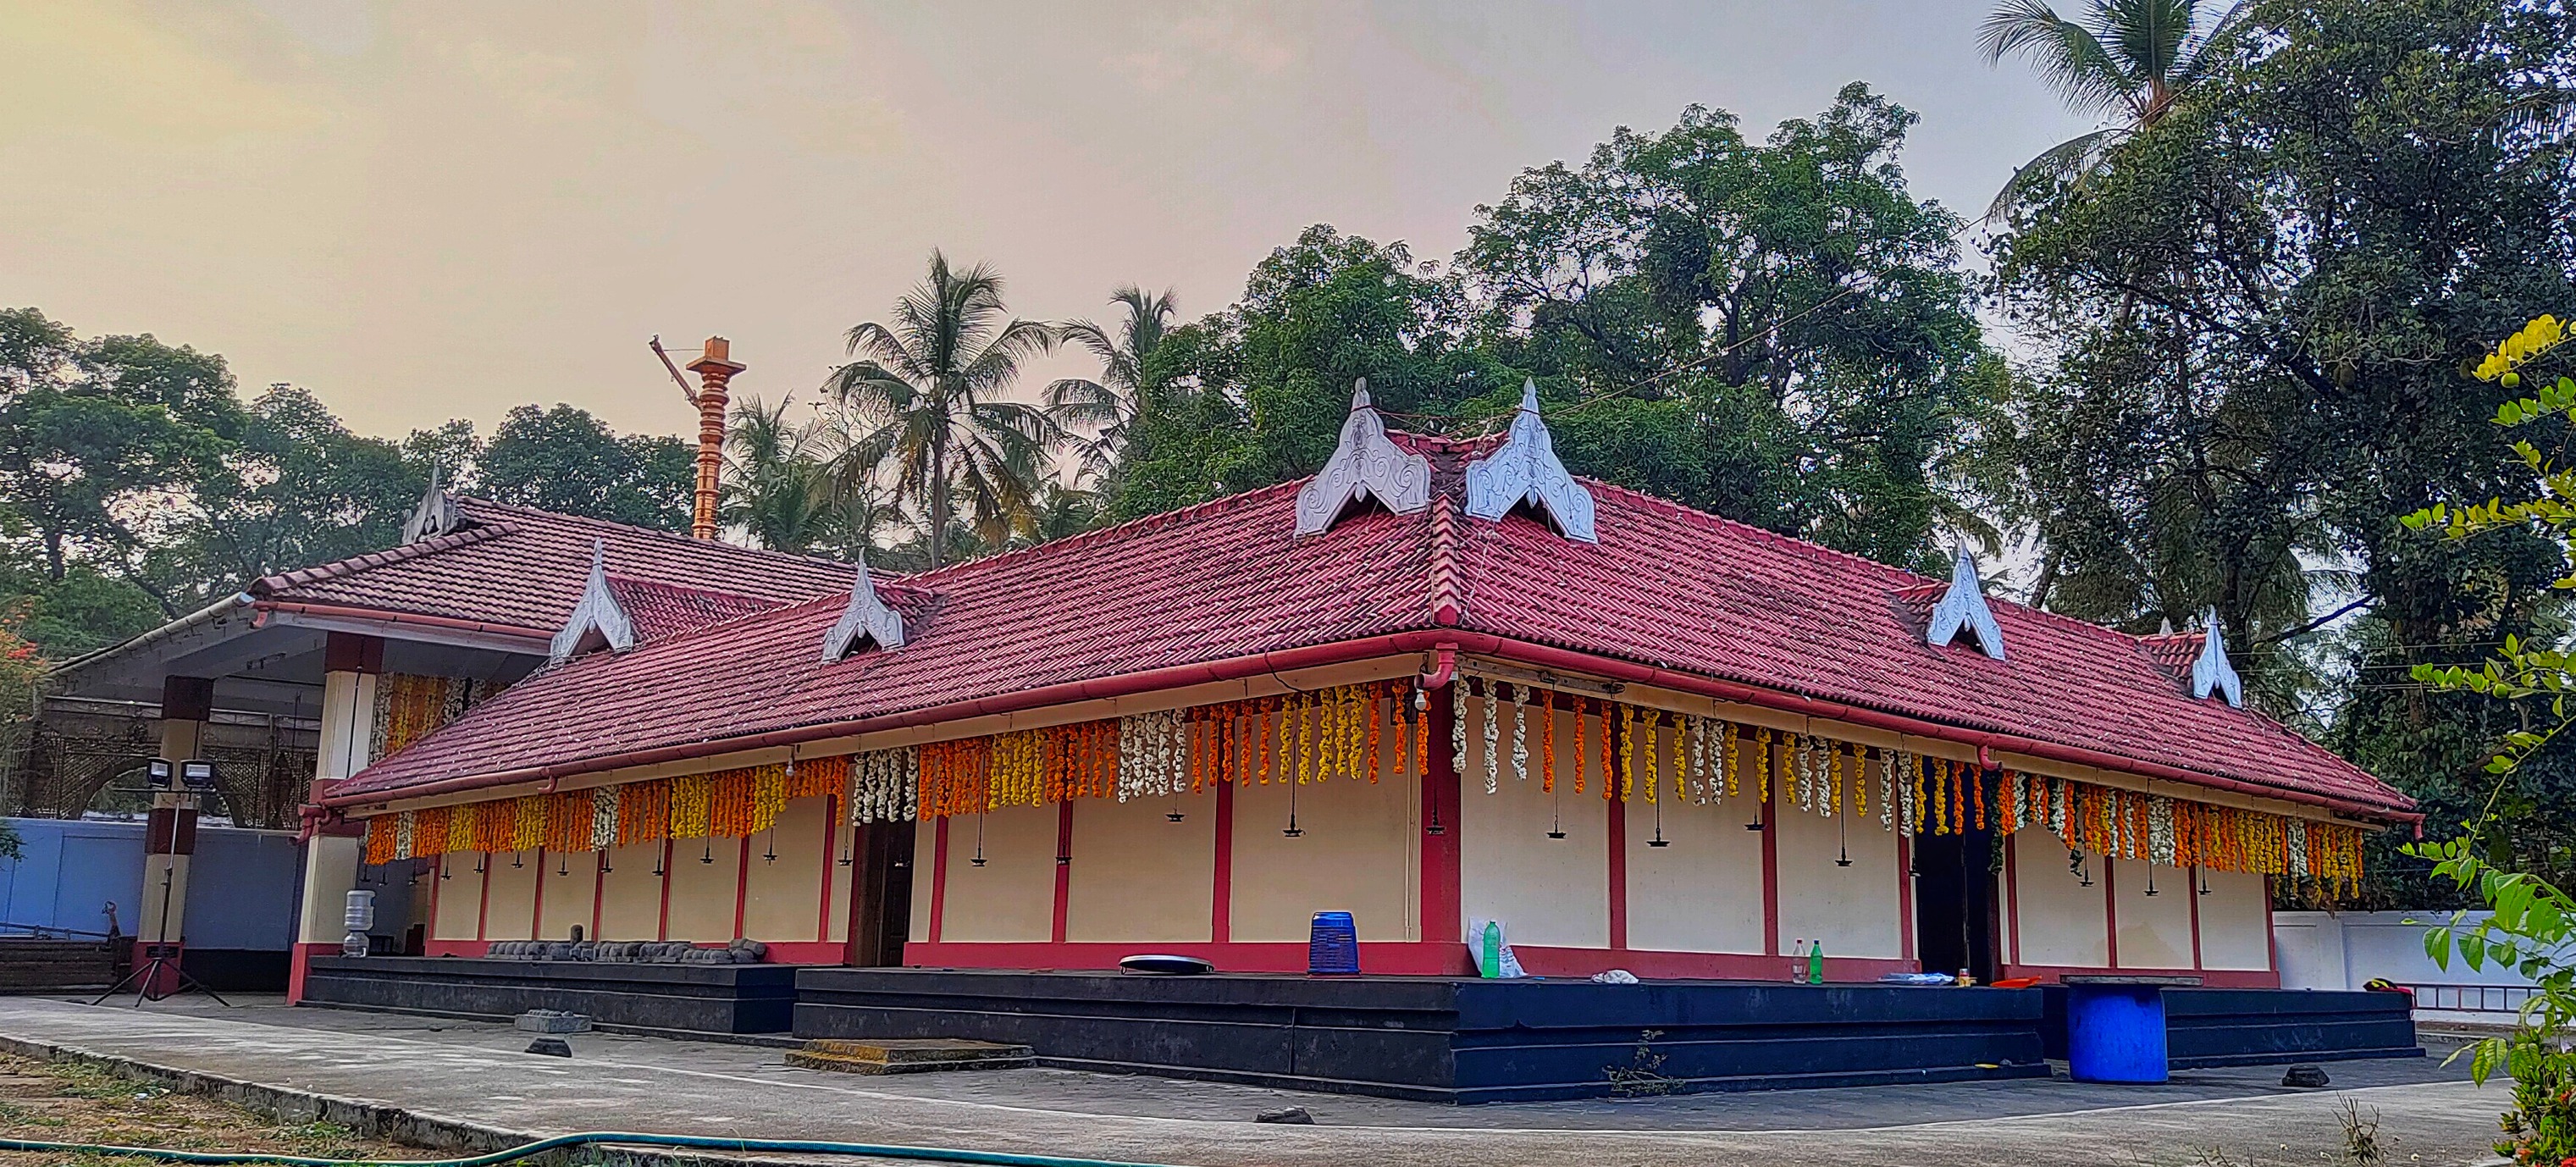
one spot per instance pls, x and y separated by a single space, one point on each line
867 616
435 515
1367 462
1525 469
1963 608
596 615
2211 673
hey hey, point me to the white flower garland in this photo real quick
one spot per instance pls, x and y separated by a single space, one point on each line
885 785
2297 832
1802 759
603 817
1153 755
1905 784
1520 732
2060 797
1493 754
1695 731
404 824
1886 789
2160 830
1458 729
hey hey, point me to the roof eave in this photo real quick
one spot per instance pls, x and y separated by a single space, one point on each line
1425 640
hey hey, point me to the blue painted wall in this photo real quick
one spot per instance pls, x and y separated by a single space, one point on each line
242 883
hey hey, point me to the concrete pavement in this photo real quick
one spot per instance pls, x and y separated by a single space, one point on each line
473 1073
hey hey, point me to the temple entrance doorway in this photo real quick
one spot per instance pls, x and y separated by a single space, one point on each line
1956 907
881 899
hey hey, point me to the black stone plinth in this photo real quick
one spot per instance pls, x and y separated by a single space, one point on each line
689 998
2254 1027
1446 1040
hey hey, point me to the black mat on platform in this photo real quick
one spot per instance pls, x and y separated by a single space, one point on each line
1447 1040
702 998
2252 1027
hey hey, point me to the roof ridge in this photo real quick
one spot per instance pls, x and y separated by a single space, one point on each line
1905 577
1448 606
370 560
673 537
693 589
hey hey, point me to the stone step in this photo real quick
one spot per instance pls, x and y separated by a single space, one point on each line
910 1055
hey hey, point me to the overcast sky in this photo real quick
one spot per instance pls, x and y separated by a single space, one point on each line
428 211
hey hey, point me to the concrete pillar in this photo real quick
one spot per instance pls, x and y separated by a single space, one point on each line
351 664
170 835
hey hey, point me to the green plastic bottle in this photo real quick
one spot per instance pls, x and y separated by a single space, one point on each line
1492 962
1816 964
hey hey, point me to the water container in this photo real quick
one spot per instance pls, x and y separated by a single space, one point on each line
2115 1032
360 913
1333 948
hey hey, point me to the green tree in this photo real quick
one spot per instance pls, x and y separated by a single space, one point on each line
931 388
93 433
300 489
1776 331
2250 322
1256 394
564 459
2132 59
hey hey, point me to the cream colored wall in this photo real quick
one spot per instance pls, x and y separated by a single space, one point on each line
925 873
783 898
2061 922
571 887
460 899
1547 892
1011 897
706 876
836 926
630 906
2155 930
1137 875
1360 854
2235 930
1704 892
1854 911
510 911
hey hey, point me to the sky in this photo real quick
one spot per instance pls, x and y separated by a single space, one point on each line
421 212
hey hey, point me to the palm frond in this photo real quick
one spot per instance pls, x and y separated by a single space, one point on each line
2066 161
2068 56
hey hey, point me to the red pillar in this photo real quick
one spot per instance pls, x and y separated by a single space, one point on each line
1441 919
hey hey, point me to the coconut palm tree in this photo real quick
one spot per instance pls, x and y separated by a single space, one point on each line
1106 407
775 490
2128 59
927 392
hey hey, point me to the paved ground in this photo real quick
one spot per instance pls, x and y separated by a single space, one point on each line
2428 1114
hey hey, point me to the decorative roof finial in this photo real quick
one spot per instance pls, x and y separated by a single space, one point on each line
1525 469
596 619
1367 462
1963 608
867 616
436 514
2212 672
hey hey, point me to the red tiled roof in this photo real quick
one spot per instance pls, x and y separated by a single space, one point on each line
1666 587
522 567
665 609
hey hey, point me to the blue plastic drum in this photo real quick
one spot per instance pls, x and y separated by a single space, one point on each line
1333 945
2115 1030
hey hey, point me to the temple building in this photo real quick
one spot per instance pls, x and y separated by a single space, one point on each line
1442 685
1439 683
